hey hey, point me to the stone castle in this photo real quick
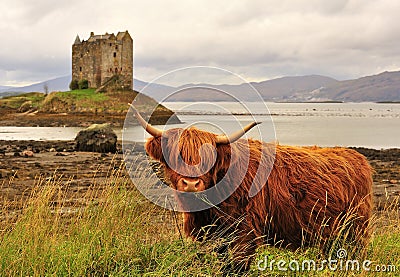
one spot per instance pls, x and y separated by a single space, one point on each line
103 58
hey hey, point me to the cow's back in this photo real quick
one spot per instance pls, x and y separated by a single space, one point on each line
311 191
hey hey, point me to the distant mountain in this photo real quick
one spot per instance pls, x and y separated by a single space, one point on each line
293 88
62 84
281 89
156 91
57 84
382 87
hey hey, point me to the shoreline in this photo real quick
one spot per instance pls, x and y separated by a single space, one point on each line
79 171
366 151
13 119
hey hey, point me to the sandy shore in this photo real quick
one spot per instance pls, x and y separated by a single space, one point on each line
80 171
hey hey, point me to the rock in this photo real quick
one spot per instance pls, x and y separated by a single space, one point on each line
27 153
97 138
52 149
60 149
26 106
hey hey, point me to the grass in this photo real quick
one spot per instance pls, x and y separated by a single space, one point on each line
85 102
83 94
84 98
14 102
90 101
117 232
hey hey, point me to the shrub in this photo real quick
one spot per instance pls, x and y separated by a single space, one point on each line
73 85
83 84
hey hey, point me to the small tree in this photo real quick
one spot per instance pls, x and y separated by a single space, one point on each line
73 85
83 84
46 88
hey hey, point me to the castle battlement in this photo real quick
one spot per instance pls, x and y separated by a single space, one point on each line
103 56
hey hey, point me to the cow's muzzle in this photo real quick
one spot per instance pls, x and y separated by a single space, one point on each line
190 185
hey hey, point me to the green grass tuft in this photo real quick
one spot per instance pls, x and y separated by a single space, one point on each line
14 102
83 94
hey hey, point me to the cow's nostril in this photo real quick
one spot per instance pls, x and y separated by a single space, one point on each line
187 182
191 186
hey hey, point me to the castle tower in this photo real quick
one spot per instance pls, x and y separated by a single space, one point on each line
102 57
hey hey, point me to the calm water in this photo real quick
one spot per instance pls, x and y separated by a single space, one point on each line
327 124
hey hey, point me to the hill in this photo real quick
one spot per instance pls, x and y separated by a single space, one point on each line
375 88
57 84
293 88
62 84
285 88
77 108
381 87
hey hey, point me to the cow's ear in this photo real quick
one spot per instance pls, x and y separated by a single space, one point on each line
153 148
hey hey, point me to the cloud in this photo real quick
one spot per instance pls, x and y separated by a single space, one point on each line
258 39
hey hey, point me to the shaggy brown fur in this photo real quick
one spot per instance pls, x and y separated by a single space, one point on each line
310 194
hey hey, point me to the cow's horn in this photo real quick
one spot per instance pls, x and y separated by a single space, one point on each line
155 132
223 139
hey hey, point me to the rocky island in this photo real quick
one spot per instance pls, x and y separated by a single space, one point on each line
77 108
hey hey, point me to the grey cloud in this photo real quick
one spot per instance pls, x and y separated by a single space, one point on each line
258 39
28 13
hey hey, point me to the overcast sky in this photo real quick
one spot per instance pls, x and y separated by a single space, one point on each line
257 39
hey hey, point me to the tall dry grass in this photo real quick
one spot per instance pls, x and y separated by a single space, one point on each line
380 256
109 230
112 230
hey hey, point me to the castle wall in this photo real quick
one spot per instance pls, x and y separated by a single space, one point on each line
111 65
98 59
86 63
127 61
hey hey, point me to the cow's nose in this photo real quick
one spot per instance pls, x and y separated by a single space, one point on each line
191 185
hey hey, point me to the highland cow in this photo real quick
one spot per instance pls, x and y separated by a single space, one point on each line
311 194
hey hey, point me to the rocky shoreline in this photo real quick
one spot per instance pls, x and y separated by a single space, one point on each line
12 118
59 120
80 108
80 171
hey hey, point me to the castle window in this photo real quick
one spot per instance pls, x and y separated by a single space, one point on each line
110 44
80 68
116 70
115 54
116 47
81 55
